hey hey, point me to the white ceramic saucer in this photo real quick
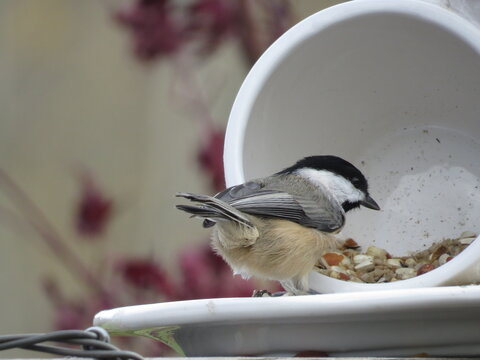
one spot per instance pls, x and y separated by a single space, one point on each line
404 322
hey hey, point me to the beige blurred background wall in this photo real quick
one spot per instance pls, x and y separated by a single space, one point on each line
72 97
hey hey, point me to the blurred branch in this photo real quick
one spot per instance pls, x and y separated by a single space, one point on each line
190 91
282 17
39 222
210 151
249 32
12 218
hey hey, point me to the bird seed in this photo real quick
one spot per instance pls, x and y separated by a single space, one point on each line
376 265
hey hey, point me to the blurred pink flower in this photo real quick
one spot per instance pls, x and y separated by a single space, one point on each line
93 210
211 21
160 28
210 157
146 274
154 27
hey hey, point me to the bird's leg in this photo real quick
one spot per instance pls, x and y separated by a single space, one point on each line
296 286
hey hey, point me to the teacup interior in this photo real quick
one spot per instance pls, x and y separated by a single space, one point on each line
397 96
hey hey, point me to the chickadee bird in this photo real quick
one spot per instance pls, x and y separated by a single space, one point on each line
277 227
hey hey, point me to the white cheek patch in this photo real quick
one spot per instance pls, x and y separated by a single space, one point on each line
342 189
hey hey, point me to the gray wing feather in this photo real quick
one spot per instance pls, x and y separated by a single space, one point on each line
252 198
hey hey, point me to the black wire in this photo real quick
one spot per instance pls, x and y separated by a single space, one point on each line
92 344
95 343
99 354
23 340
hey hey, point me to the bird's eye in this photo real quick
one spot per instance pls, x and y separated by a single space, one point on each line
355 180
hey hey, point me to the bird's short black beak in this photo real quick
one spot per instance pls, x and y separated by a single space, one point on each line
368 202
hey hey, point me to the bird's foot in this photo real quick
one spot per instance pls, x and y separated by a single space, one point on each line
261 293
266 293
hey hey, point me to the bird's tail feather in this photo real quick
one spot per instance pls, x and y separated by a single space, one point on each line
212 208
200 211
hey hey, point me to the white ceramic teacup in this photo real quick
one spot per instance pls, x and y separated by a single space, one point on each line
393 87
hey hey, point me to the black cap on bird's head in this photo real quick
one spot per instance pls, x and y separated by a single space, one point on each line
339 167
